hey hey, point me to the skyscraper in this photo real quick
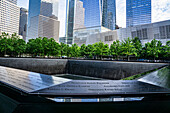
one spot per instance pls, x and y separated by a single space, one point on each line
93 13
96 13
79 15
9 17
62 17
138 12
70 20
100 13
43 19
13 1
23 22
109 14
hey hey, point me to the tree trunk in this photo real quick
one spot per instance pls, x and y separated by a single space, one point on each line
128 58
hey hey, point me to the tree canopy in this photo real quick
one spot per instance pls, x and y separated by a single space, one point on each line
13 46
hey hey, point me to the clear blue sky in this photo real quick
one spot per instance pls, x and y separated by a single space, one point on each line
160 10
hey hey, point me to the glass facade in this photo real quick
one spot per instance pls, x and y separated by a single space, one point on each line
23 22
70 21
93 13
138 12
109 14
43 19
100 13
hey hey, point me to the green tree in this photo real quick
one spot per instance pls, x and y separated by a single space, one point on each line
165 51
4 43
101 49
63 49
20 47
152 50
138 45
90 50
128 48
53 47
75 50
115 49
83 50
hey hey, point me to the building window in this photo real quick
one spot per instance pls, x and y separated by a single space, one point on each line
106 38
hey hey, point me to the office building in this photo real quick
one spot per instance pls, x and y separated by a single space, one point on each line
93 13
81 35
106 37
43 19
138 12
62 17
79 15
23 22
9 17
99 14
13 1
147 32
70 20
109 14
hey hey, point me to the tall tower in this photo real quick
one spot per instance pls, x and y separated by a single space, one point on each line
100 13
43 19
70 20
138 12
13 1
23 22
109 14
9 13
79 15
93 13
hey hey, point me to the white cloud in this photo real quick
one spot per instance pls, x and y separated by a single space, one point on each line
121 13
160 10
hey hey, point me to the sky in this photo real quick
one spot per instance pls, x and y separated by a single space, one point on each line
160 10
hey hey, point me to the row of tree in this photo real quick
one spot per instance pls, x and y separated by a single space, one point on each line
13 46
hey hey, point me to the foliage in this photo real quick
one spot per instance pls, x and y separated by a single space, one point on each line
152 50
115 49
101 49
128 48
13 46
138 45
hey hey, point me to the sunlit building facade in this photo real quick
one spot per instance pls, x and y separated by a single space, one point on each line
43 19
98 15
109 14
70 20
79 15
9 17
147 32
13 1
82 35
138 12
23 22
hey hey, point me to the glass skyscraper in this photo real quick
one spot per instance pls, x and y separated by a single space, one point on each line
96 13
43 19
23 22
138 12
100 13
109 14
93 13
70 20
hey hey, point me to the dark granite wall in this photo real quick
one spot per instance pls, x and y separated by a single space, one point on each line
102 69
109 69
44 66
